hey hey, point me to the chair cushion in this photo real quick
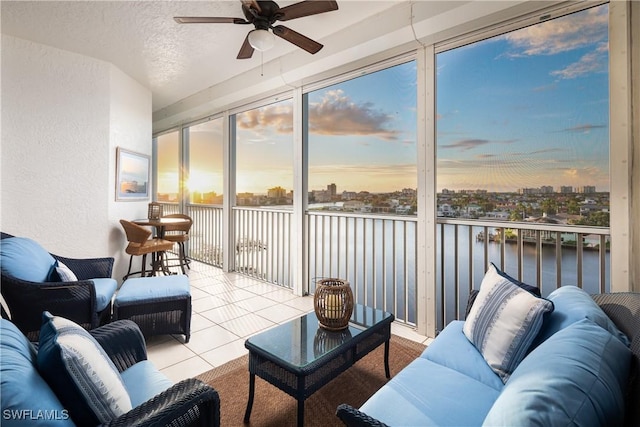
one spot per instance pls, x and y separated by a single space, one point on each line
25 259
79 371
147 288
143 381
26 397
575 378
504 321
105 289
572 304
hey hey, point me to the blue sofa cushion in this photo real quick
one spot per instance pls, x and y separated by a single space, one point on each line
424 393
25 259
105 289
80 373
571 305
453 350
504 321
26 397
576 377
143 381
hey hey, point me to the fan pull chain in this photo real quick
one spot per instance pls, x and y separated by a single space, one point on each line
261 64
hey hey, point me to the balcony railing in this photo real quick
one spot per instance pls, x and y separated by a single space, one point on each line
377 254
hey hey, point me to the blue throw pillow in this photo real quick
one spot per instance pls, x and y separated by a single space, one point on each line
25 259
61 273
575 378
504 321
80 373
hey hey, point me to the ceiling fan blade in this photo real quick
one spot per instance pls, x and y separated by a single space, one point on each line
306 8
296 38
208 20
246 50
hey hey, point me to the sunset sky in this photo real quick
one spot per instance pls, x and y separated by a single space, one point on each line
526 109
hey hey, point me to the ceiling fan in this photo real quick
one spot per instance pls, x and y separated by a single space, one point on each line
263 14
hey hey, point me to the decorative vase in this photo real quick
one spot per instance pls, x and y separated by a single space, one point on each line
333 303
325 340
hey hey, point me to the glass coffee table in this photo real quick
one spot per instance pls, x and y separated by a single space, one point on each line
299 357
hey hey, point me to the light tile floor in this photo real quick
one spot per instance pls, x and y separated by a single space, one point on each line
228 308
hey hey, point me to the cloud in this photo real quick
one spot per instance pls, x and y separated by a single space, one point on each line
547 150
586 128
561 34
470 144
278 117
595 61
337 114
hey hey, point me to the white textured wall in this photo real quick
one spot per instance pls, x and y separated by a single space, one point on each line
63 115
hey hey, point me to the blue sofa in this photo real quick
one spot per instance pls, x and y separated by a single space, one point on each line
582 369
28 399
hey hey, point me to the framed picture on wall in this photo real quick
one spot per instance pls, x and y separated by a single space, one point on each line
132 175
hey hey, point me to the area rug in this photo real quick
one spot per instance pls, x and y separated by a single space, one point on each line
274 408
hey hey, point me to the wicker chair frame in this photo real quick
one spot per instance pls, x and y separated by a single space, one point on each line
74 300
187 403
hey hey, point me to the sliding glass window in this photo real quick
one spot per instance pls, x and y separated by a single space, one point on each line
523 124
168 167
362 143
264 155
206 162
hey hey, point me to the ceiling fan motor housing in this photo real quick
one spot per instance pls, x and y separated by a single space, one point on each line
264 18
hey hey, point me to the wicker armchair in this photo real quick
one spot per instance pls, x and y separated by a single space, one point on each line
187 403
74 300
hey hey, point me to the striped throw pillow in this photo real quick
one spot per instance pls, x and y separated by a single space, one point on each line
80 373
504 321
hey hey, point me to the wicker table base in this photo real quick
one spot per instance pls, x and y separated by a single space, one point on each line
281 355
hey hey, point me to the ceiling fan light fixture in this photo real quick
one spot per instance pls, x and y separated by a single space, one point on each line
261 40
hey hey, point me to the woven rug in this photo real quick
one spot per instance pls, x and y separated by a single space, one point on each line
274 408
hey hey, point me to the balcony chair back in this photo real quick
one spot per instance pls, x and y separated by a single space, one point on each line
179 233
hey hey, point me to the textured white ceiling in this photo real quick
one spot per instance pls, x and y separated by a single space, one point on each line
142 39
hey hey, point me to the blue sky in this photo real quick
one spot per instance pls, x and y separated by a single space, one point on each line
525 109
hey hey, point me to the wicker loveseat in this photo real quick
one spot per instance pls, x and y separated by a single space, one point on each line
27 398
29 286
578 373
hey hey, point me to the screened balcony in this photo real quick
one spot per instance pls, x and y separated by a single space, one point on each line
377 254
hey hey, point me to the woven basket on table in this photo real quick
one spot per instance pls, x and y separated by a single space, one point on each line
333 303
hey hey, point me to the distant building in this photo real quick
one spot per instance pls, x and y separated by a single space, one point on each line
349 195
566 189
276 193
546 189
332 189
586 189
321 196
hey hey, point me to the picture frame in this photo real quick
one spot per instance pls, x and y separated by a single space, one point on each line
132 175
